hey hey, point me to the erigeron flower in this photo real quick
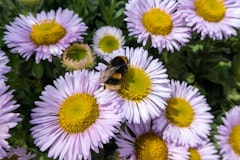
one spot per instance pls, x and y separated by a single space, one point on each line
8 119
46 35
145 87
186 119
228 135
106 40
216 19
159 20
78 56
74 117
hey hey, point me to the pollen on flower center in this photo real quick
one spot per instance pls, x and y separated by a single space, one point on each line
108 43
157 22
48 32
151 146
78 112
136 85
179 112
210 10
234 139
194 155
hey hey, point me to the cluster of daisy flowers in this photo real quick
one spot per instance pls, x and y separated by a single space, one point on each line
161 118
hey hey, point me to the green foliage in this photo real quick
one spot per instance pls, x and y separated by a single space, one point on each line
211 66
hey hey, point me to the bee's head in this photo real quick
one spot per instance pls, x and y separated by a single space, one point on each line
119 60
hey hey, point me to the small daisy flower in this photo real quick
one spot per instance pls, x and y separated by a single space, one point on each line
19 153
3 65
186 120
228 135
204 151
159 20
106 40
45 35
217 19
78 56
145 87
74 117
141 142
8 119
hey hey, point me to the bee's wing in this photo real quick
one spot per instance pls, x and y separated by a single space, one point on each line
108 72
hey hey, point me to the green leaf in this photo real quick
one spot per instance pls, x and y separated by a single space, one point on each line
37 71
219 73
189 77
236 66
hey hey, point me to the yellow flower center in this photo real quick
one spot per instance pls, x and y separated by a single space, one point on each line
136 85
234 139
78 112
108 43
157 22
179 112
151 147
194 155
210 10
48 32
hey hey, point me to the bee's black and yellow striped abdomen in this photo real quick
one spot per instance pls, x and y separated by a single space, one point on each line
114 73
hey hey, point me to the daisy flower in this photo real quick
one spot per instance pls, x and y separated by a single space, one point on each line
186 120
19 153
78 56
45 35
141 142
204 151
106 40
228 135
3 65
217 19
145 87
8 119
159 20
73 117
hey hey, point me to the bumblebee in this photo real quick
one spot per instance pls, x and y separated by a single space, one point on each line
112 76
